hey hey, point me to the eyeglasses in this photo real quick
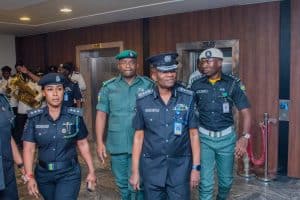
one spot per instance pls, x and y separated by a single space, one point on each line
130 63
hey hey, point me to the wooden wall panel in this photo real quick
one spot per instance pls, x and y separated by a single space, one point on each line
294 131
60 46
31 50
257 28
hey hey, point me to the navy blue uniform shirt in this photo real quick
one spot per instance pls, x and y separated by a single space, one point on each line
211 99
72 92
6 122
166 157
56 140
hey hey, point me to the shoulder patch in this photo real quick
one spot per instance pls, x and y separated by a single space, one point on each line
109 81
144 93
34 112
75 111
186 91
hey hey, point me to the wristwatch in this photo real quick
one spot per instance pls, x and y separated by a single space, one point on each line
196 167
246 136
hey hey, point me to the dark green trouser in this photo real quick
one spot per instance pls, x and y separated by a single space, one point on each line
219 153
121 168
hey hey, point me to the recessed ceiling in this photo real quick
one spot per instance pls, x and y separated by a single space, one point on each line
46 16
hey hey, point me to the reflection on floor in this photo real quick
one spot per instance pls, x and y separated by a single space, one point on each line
281 189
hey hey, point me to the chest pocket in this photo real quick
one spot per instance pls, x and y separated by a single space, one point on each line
116 103
152 117
44 134
202 99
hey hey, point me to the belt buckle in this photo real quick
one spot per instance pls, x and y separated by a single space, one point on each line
51 166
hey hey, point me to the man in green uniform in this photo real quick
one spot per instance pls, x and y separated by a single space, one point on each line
216 94
116 104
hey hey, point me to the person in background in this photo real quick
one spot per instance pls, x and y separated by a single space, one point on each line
72 95
28 78
52 69
57 131
216 94
75 76
9 153
166 142
4 89
196 74
116 105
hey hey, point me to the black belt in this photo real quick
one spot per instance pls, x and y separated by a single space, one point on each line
52 166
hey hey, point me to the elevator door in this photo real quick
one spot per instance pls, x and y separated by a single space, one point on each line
98 70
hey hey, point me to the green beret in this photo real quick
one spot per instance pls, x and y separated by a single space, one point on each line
126 54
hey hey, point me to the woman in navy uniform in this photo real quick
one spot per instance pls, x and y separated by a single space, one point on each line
9 153
56 130
166 142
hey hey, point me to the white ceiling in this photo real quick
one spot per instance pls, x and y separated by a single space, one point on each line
46 17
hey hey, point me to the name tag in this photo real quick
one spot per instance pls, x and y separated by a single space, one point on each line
202 91
151 110
42 126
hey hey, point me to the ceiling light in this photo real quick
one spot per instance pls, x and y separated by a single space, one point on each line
25 18
65 10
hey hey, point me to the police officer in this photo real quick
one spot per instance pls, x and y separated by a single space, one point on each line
166 141
56 130
216 94
72 95
8 153
116 103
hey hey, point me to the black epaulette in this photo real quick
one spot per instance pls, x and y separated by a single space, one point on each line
109 81
185 91
34 112
75 111
145 93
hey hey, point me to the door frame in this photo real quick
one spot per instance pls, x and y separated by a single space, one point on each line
87 106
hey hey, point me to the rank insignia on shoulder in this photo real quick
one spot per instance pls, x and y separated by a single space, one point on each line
75 111
35 112
144 93
183 90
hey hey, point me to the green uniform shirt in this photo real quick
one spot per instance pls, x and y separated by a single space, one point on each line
118 99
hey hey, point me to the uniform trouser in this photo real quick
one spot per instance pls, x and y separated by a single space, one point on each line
63 184
10 192
19 127
121 169
217 152
168 192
